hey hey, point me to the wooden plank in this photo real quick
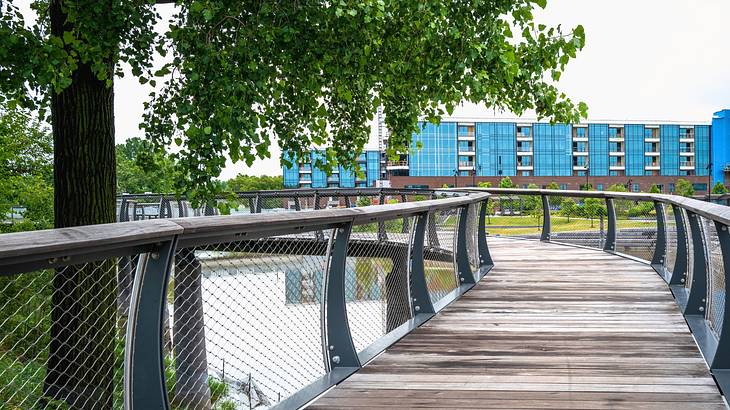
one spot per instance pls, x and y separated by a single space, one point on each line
544 331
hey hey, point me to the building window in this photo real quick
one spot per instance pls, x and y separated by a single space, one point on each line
580 132
613 173
699 187
463 173
599 187
525 173
661 187
615 132
581 173
671 188
635 188
615 147
466 146
523 131
564 187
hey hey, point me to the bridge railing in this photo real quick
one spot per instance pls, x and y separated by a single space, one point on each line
237 311
685 240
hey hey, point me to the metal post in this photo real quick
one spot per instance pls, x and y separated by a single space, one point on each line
348 204
433 238
660 250
545 236
252 205
420 297
698 288
144 369
318 235
485 258
258 203
610 244
406 219
382 234
339 350
721 361
466 276
297 204
679 271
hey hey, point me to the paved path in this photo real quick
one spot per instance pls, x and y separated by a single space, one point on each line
550 326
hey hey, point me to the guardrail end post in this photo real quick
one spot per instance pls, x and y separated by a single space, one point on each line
465 275
144 367
610 245
420 298
660 250
485 258
545 236
679 271
697 297
338 348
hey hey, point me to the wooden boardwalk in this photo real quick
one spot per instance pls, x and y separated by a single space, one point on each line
550 327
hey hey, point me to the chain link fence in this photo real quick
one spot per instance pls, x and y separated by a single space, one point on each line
716 276
62 335
578 221
636 228
671 237
514 216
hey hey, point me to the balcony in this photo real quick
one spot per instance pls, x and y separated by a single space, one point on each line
524 153
652 167
652 153
524 167
523 137
617 153
690 165
466 137
466 166
686 138
468 152
651 139
303 170
580 168
617 167
397 165
687 153
580 153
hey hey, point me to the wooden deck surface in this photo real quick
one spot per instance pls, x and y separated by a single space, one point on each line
549 327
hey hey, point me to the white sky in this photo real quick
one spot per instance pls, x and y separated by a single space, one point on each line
643 60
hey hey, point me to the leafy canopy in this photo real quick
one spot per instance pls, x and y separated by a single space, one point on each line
684 188
719 188
141 169
307 72
26 170
243 183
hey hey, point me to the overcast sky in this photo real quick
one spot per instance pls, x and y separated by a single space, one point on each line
643 60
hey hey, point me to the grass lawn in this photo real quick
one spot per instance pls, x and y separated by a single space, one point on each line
525 225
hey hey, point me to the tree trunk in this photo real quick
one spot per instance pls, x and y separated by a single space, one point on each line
191 363
83 313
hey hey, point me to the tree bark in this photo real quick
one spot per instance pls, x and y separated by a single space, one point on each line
83 313
191 362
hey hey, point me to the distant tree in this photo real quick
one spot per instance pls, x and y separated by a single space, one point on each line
485 184
586 187
142 168
654 189
553 185
554 201
243 183
445 186
568 208
364 201
532 202
593 208
684 188
719 189
506 182
26 170
617 188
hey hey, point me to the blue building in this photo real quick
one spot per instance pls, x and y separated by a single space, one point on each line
461 153
303 174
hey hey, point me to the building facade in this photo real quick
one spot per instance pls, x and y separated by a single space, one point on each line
465 152
304 174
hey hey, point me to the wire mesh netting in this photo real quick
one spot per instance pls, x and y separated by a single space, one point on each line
438 264
670 224
636 228
514 215
578 221
62 335
472 229
376 279
245 322
715 276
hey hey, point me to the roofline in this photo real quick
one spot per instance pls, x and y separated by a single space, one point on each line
598 121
